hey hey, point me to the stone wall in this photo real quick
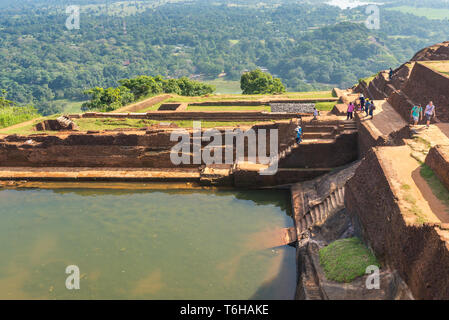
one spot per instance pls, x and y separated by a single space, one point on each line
438 160
100 149
426 85
293 107
324 154
242 116
419 252
368 139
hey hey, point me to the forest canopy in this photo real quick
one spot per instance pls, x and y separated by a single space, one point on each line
307 44
135 89
258 82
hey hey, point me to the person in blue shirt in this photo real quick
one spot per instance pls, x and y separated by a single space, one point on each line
298 135
367 107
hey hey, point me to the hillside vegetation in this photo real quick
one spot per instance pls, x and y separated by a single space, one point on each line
308 46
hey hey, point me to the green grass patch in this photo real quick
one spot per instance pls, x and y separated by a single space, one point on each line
288 95
225 86
86 124
29 128
69 106
13 115
406 187
345 260
325 106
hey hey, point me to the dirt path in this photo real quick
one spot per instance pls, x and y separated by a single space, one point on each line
437 134
412 189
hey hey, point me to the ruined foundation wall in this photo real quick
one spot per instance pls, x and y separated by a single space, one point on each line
419 252
426 85
324 155
151 149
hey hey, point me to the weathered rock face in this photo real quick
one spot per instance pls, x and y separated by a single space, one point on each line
438 160
420 253
439 51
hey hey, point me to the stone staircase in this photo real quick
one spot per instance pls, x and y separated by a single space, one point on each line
320 212
317 200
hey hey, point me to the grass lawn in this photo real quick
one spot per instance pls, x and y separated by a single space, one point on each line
226 86
325 106
430 13
345 260
10 116
70 106
154 107
225 97
110 123
28 128
229 108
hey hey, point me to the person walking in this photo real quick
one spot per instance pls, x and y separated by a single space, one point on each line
298 135
430 113
367 107
350 111
315 113
371 109
391 73
362 101
416 114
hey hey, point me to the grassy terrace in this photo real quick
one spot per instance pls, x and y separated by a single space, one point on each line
27 128
111 124
87 124
438 66
345 260
323 106
287 95
229 108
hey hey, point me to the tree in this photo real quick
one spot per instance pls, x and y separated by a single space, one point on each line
3 101
258 82
109 99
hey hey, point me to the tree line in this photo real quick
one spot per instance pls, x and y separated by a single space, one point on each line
307 46
131 90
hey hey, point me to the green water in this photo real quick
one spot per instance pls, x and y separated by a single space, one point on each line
144 244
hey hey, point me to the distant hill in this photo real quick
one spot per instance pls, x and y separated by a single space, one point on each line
309 45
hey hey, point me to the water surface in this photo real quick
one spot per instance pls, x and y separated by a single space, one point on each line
144 244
